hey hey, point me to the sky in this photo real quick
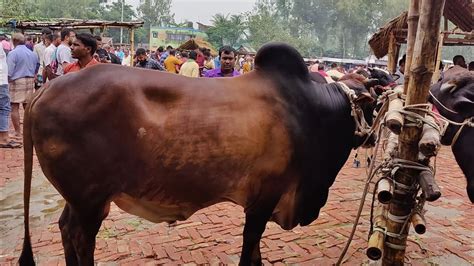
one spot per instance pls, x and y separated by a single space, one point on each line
203 10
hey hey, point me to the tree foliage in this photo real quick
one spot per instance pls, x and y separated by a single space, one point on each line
226 30
156 12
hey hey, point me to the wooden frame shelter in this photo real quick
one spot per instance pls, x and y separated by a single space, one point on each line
60 23
389 38
411 183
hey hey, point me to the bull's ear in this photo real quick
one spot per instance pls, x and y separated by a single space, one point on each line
448 87
369 83
364 97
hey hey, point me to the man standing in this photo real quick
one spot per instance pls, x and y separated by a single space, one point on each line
83 49
172 62
63 53
334 73
5 141
165 55
22 67
401 70
144 62
39 50
227 62
54 41
127 58
190 68
459 60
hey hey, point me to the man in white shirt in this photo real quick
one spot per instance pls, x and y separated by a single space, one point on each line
127 59
63 52
53 40
39 51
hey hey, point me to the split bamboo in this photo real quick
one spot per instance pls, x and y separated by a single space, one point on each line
421 71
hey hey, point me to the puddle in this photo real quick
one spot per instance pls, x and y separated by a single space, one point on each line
45 202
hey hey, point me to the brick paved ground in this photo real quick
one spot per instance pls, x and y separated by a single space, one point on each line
214 235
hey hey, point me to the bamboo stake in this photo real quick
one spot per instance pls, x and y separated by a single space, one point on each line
384 191
421 71
391 149
413 17
394 120
430 139
418 222
429 186
376 240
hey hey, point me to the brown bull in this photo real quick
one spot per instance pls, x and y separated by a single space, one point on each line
163 146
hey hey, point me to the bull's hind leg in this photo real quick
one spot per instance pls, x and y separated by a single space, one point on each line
79 228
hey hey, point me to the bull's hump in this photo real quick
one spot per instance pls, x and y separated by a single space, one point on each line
281 58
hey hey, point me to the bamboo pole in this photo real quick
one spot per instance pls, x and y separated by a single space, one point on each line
393 49
412 20
421 71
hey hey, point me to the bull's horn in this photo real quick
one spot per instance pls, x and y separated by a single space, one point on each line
451 87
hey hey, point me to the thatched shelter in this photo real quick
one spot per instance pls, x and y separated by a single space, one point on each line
192 44
60 23
459 12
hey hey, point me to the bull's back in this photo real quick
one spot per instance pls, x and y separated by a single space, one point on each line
157 138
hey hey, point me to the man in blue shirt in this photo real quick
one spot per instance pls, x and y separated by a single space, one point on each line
23 65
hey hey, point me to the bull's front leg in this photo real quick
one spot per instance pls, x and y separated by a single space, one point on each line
255 222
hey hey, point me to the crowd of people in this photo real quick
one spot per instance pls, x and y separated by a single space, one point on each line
334 72
26 66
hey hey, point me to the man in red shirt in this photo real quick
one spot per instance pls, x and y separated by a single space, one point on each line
82 49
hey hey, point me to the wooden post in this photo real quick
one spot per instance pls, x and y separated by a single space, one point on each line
437 72
393 49
421 71
413 17
132 45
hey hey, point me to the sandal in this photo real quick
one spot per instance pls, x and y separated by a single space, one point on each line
10 145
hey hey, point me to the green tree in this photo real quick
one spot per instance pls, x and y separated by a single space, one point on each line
156 12
113 12
153 13
226 30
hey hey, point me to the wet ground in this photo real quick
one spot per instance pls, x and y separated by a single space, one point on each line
214 235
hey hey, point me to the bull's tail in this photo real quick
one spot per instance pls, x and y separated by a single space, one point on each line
26 257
